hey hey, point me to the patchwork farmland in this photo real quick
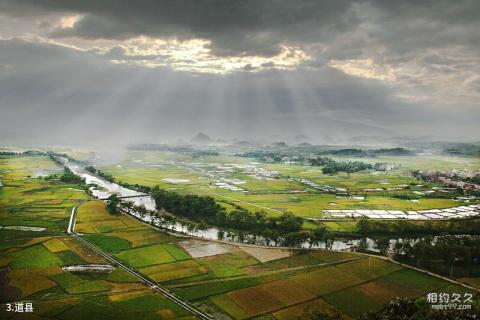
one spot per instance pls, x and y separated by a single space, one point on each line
225 280
247 282
31 260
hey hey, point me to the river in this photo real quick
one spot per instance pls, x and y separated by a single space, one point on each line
104 189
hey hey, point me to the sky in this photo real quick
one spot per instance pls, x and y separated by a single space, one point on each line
118 72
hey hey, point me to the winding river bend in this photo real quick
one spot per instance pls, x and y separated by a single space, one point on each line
104 189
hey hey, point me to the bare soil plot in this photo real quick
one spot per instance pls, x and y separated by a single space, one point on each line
255 269
266 254
383 291
199 249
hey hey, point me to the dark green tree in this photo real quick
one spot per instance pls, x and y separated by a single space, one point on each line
112 204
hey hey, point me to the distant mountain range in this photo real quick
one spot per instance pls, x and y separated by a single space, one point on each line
201 138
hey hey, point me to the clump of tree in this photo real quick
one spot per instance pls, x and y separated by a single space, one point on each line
319 314
475 179
390 152
190 205
463 149
206 209
106 176
91 169
113 203
55 158
403 196
135 186
28 153
352 152
205 153
403 309
69 177
264 156
448 255
331 166
244 220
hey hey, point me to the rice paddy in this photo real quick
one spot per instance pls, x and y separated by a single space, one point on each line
242 282
31 261
276 188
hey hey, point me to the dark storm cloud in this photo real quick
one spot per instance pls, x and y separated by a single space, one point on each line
56 93
234 27
53 93
261 26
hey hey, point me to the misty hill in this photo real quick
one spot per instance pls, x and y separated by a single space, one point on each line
158 147
463 149
201 138
301 138
279 144
351 152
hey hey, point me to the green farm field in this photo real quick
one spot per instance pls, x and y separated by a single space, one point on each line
31 261
243 285
285 192
243 282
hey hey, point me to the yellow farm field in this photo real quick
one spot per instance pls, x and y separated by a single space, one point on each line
55 245
31 281
327 279
141 236
175 270
128 295
229 306
345 275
